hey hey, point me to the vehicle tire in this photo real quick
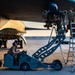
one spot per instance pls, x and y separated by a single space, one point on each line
21 44
24 67
57 65
0 63
5 43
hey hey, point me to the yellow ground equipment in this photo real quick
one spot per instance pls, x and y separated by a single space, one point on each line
11 29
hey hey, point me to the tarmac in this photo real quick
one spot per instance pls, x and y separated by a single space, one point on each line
36 39
64 71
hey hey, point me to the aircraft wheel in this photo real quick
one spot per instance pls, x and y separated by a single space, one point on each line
57 65
25 67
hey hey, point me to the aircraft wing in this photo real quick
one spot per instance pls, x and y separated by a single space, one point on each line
29 10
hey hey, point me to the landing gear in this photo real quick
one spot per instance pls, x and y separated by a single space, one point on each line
57 65
25 67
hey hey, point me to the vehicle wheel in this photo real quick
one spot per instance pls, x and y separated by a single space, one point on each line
0 63
57 65
21 44
25 67
5 43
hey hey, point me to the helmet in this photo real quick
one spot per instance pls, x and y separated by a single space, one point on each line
53 7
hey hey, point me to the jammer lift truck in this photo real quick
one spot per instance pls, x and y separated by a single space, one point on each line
26 62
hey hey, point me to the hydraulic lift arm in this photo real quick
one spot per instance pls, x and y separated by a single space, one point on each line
47 50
